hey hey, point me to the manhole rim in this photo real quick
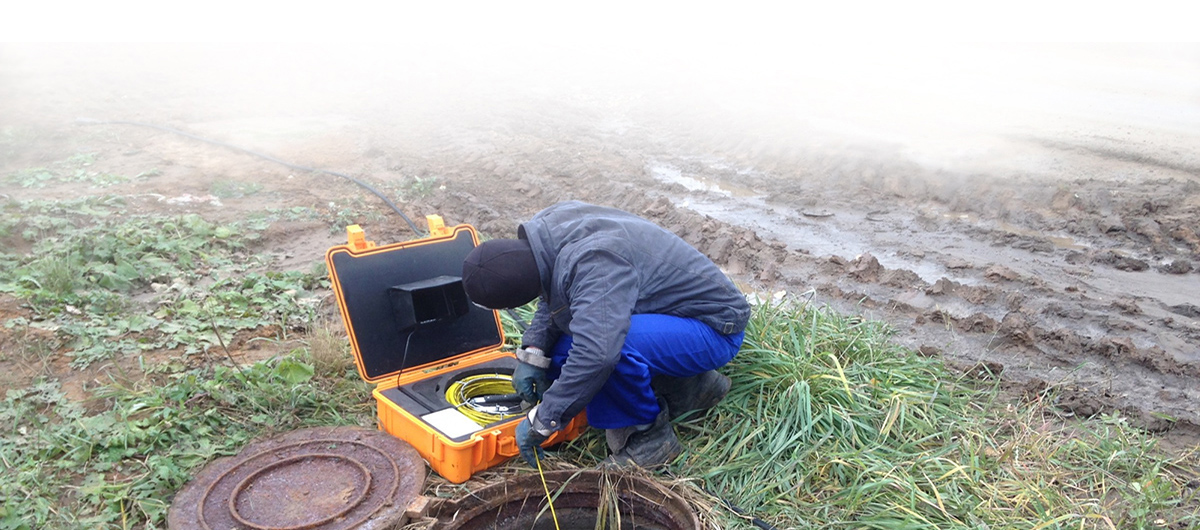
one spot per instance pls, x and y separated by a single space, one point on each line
463 512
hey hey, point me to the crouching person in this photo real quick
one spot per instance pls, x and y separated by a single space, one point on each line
632 324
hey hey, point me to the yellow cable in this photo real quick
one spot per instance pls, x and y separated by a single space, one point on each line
549 500
462 390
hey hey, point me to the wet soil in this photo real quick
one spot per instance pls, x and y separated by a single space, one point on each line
1059 259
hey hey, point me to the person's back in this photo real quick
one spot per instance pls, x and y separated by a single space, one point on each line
673 278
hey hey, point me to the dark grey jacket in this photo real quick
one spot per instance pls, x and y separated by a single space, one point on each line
598 267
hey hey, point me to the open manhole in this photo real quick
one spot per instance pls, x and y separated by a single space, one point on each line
336 478
582 499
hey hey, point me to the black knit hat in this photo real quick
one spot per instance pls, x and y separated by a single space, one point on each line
501 274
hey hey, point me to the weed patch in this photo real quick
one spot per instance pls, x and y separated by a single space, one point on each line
117 284
73 169
350 212
231 189
31 178
120 468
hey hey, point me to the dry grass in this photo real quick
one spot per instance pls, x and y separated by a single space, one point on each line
329 350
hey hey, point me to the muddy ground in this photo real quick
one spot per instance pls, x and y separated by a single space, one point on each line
1065 256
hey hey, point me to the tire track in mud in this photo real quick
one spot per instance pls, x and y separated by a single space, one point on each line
1039 319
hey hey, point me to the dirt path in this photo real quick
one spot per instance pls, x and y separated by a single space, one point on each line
1060 258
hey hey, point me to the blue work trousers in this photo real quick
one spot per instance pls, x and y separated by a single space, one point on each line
656 345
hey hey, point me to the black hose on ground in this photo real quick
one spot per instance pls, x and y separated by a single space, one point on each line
363 185
759 523
735 509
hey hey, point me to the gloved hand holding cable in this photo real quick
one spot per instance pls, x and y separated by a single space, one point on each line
529 379
530 382
529 440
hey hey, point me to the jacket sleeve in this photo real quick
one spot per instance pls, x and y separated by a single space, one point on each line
541 333
603 291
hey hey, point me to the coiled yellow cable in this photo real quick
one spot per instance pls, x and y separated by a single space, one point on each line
461 391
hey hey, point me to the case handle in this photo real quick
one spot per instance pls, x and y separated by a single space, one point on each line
486 448
507 446
437 227
357 239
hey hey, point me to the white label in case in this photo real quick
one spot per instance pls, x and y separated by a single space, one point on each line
452 423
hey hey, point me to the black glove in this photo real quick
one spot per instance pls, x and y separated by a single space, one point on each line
530 382
529 442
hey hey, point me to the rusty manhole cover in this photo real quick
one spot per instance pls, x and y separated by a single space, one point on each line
335 478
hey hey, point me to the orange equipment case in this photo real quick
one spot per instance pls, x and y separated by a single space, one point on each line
414 332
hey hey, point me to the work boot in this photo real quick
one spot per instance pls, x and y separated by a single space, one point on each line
648 446
697 393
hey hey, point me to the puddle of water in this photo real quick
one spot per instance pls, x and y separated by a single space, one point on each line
841 234
817 238
1058 241
672 174
1169 289
969 217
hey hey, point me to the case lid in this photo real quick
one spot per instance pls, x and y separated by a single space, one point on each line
403 304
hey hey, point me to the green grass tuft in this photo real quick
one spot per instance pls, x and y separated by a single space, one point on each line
829 425
232 189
